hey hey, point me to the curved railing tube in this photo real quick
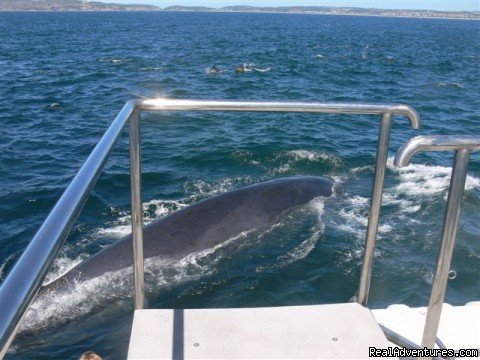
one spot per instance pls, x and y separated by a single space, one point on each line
435 143
27 275
463 146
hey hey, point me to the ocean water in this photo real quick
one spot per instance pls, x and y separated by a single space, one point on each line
64 77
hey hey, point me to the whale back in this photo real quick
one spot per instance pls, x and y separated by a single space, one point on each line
203 225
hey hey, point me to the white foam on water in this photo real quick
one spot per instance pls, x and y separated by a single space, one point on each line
286 161
160 208
165 207
456 85
113 60
419 179
409 196
358 201
170 272
414 189
416 183
310 155
285 168
318 204
84 297
293 157
116 231
202 189
60 307
151 68
61 265
361 169
305 154
404 205
471 253
302 250
353 217
263 70
427 276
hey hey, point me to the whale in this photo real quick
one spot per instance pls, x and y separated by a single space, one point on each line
202 225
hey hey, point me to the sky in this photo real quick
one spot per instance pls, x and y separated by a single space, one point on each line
445 5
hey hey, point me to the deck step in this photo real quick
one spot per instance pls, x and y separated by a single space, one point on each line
300 332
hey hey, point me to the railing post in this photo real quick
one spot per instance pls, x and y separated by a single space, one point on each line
450 224
25 278
137 211
463 146
375 204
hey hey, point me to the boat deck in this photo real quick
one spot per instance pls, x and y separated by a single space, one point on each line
338 331
459 325
335 331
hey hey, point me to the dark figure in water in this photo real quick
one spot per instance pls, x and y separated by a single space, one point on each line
214 70
240 69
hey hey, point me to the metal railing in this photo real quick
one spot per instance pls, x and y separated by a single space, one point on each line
463 146
26 277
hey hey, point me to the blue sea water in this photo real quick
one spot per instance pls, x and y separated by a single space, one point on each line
89 64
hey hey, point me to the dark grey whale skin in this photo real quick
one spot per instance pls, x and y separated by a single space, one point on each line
202 225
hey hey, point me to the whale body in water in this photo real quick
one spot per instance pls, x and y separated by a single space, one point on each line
202 225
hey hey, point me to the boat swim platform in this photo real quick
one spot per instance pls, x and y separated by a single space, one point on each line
334 331
459 326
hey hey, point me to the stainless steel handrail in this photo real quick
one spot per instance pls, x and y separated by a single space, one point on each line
26 277
385 110
274 106
463 146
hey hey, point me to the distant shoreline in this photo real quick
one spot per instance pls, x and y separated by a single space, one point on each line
320 13
244 12
415 14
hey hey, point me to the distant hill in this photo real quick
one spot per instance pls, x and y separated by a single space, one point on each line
69 5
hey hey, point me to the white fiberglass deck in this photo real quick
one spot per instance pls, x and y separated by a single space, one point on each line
302 332
459 325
